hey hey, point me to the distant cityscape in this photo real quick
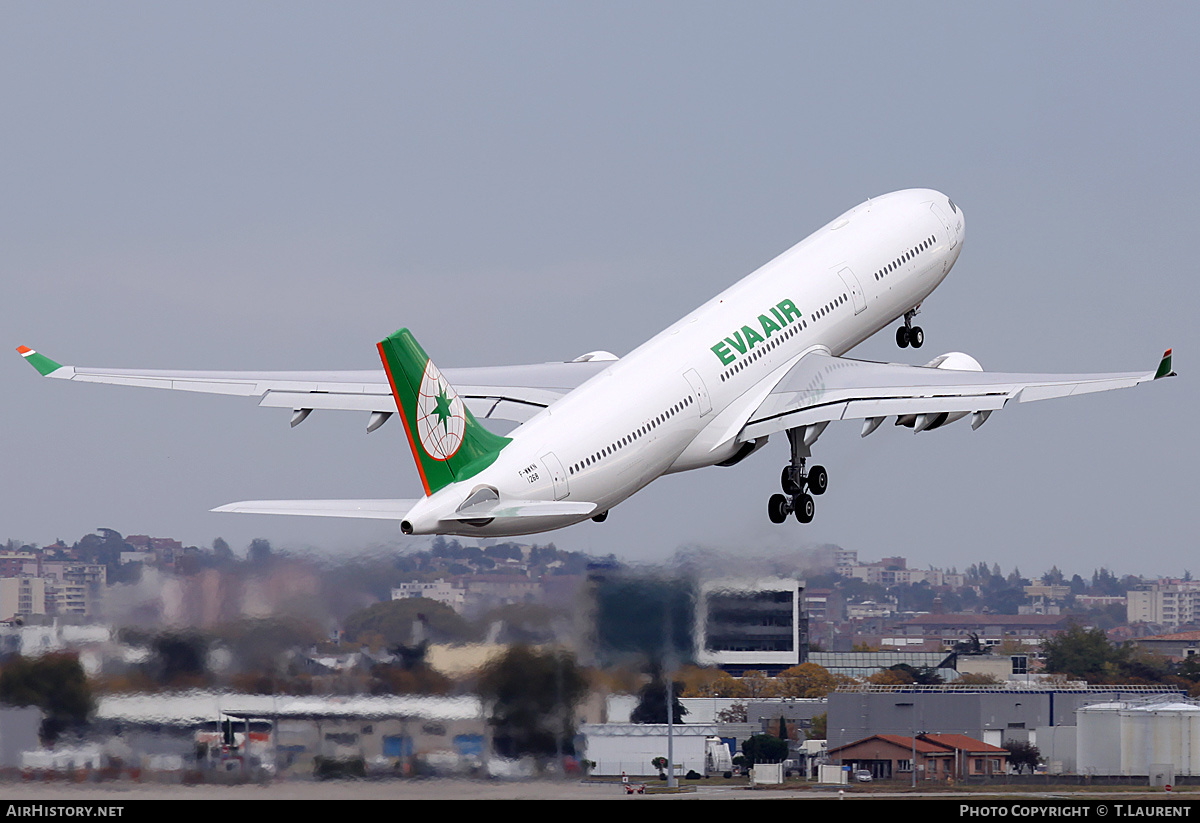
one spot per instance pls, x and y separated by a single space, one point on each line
788 647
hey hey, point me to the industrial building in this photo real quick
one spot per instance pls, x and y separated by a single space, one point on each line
1041 715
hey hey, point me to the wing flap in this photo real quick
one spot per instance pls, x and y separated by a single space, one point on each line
339 401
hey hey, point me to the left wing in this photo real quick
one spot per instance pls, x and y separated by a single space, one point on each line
513 393
821 388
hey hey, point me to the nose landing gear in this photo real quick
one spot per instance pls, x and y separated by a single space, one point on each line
908 334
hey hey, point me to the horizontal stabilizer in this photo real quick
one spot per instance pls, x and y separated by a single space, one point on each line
525 508
369 509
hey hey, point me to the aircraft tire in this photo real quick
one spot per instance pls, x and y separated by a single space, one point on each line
902 337
804 507
777 508
818 480
916 336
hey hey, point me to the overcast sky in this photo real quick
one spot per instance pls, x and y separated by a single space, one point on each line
280 185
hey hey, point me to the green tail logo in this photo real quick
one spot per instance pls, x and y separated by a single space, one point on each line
447 442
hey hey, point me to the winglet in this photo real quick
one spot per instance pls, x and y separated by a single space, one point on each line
1164 368
41 362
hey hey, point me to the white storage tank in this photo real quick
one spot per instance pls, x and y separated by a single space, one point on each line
1128 738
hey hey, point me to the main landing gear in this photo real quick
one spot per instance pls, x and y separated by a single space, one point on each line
908 334
795 500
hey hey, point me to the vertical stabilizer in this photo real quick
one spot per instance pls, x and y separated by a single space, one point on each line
447 442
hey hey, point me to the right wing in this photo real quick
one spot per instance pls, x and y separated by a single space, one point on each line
821 388
513 393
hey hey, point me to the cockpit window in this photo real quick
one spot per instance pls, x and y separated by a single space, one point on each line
953 207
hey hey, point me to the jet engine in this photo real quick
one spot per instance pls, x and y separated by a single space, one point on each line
954 360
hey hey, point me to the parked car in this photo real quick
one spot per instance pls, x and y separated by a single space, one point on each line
863 776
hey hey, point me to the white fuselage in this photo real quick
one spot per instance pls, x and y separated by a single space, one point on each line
679 401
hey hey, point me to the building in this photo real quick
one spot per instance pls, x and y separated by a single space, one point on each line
1171 604
993 714
22 596
386 734
628 748
949 630
1044 599
894 571
1177 646
439 590
860 665
744 625
935 756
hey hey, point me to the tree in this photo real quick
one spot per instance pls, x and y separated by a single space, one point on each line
806 680
1085 654
259 551
903 674
734 714
532 697
1023 755
55 683
757 684
764 748
652 702
394 621
708 682
978 679
661 764
179 659
221 550
819 728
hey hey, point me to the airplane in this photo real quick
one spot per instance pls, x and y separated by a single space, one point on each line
762 357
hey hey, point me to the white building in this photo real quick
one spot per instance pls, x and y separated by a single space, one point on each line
629 748
751 624
439 590
1167 604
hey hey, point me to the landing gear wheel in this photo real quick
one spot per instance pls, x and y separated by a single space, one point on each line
818 480
804 507
777 508
902 337
916 336
601 517
791 485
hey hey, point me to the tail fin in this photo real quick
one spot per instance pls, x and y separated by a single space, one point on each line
447 442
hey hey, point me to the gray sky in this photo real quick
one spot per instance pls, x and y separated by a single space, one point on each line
280 185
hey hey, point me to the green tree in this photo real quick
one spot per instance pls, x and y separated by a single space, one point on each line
819 728
531 697
764 748
55 683
652 702
1082 653
179 658
1022 756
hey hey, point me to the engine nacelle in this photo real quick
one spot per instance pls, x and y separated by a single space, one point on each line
956 361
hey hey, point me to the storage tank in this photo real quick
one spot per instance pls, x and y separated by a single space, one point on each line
1129 737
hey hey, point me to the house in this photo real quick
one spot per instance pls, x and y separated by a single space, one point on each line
936 756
